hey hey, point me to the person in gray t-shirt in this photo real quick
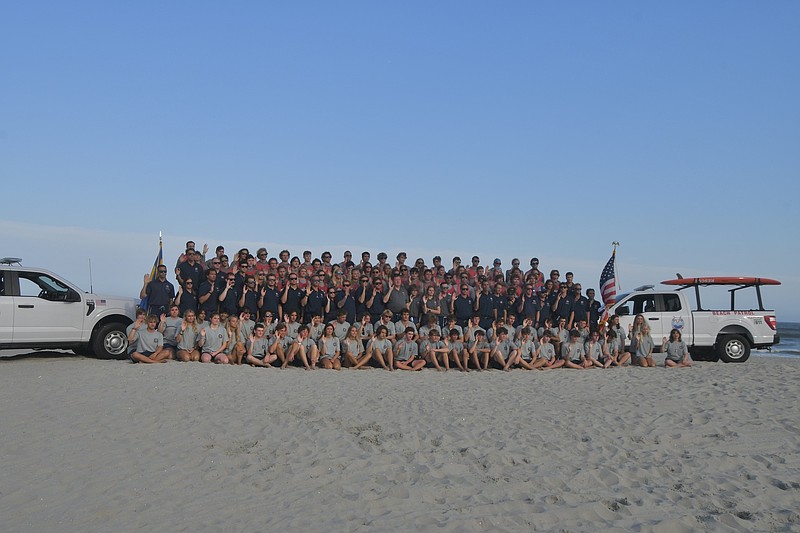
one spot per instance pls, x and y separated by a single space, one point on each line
258 350
676 350
149 343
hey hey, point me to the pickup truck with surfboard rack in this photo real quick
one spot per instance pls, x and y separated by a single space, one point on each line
728 333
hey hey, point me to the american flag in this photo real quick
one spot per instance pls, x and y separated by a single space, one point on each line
608 281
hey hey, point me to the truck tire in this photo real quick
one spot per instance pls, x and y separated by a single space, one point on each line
733 349
111 342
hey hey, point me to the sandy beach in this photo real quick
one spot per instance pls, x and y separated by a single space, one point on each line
91 445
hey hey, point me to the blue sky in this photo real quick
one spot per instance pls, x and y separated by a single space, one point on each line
507 129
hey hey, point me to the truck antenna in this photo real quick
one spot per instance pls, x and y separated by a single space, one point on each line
91 288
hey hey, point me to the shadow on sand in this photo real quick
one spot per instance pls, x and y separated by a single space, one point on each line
17 355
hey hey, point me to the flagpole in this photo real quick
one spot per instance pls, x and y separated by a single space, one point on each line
616 270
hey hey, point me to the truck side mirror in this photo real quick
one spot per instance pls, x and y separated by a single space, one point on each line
624 310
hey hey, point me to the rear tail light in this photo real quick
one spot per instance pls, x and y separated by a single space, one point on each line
771 322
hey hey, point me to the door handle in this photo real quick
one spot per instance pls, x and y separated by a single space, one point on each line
652 318
28 306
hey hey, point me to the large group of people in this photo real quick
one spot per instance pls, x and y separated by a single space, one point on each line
315 313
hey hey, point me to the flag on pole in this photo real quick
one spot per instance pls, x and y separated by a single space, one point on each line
608 281
608 285
154 271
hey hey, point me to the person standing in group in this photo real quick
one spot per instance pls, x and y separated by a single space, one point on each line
159 292
396 298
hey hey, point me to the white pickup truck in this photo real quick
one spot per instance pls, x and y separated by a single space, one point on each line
39 309
728 334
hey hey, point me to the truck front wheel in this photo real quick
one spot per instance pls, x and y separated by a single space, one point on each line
111 342
733 349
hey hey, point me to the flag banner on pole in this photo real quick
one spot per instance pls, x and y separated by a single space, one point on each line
608 285
154 271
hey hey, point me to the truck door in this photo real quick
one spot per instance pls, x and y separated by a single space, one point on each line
46 310
6 310
645 305
673 315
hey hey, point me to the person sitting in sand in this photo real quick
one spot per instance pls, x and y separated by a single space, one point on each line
573 353
644 346
258 351
303 348
237 348
504 352
615 342
527 349
406 352
438 352
329 349
213 341
479 350
188 336
149 343
168 326
353 346
676 350
545 357
633 333
280 342
380 349
593 348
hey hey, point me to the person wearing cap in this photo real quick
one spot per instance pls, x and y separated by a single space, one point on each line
495 270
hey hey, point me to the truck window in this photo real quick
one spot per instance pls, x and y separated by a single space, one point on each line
41 286
2 283
672 303
643 303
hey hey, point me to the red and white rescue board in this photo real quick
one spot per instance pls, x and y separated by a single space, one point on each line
721 280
